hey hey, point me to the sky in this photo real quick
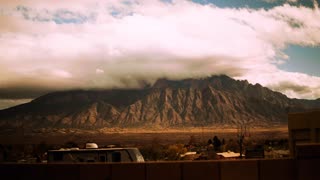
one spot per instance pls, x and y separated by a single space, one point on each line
48 46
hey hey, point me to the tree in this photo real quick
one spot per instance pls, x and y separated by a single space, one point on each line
173 152
242 132
216 143
240 141
154 151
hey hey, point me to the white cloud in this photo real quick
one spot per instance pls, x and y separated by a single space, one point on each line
6 103
61 73
145 40
294 85
99 71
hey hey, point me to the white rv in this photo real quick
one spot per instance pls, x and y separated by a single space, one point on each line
94 154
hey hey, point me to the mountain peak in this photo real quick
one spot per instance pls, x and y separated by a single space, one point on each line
168 103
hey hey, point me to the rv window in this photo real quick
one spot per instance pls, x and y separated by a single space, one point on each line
116 156
120 156
102 159
58 156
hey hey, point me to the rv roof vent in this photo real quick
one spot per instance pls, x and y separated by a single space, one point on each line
91 146
111 146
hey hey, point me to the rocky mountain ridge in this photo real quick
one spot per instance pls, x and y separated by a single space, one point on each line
216 100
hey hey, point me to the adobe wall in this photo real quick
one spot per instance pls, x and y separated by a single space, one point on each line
276 169
303 128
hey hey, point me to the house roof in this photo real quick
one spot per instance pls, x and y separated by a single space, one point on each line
229 154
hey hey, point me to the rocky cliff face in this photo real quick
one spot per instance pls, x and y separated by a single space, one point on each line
191 102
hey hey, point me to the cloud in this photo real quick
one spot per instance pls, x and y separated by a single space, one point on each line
99 71
5 103
104 44
287 85
274 1
293 84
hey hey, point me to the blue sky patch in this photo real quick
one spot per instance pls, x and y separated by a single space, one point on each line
302 59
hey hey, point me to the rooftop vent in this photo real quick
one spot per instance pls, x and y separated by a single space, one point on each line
91 146
111 146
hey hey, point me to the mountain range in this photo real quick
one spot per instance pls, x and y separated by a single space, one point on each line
215 100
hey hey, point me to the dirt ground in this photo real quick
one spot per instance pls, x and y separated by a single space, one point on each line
136 137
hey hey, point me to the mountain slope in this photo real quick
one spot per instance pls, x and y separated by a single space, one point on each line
190 102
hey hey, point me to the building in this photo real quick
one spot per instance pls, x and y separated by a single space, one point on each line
255 152
304 133
229 155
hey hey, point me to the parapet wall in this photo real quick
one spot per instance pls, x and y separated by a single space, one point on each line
275 169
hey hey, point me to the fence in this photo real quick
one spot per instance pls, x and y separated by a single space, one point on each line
275 169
